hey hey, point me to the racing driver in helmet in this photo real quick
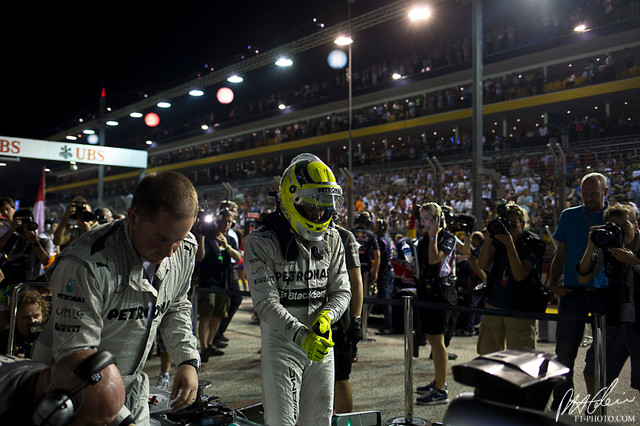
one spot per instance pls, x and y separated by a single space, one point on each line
296 269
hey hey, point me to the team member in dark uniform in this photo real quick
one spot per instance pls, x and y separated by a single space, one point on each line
348 331
369 253
385 273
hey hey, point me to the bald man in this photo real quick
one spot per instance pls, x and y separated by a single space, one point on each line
24 382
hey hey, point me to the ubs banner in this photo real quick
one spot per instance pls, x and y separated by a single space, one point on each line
80 153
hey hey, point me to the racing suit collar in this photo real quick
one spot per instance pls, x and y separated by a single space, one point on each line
137 276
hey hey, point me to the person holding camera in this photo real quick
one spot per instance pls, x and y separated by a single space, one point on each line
435 259
24 254
511 253
215 251
79 211
576 299
614 248
7 209
33 312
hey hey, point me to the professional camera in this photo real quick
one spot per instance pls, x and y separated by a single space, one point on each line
34 330
462 222
80 212
101 218
27 224
206 223
608 235
500 225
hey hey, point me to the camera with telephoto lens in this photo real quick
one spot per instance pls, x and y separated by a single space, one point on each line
462 222
500 225
608 235
81 213
27 224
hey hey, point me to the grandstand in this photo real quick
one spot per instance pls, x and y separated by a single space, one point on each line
544 83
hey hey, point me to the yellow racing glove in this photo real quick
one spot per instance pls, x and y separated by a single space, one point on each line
322 325
316 347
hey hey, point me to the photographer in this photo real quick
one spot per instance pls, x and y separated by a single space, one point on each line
512 253
215 251
614 248
24 254
32 313
80 211
103 215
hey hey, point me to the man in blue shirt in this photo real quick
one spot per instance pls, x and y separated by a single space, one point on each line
576 299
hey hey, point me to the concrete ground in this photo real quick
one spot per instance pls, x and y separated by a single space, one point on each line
377 378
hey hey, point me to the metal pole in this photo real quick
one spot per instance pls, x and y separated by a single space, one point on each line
562 190
476 120
408 418
101 141
600 356
350 218
555 182
439 195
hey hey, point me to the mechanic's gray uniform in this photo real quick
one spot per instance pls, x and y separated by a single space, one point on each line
103 299
287 295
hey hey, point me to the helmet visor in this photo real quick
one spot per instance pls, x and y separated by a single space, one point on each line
320 198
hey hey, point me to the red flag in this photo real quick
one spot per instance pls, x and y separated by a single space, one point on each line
38 208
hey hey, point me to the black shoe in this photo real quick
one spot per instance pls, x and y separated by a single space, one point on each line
212 351
204 357
452 356
222 339
464 333
220 344
385 332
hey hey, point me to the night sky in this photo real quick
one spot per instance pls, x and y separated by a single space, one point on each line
56 57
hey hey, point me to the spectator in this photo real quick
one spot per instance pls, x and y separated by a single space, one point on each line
576 299
153 249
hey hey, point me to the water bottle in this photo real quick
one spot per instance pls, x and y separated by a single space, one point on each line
406 250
